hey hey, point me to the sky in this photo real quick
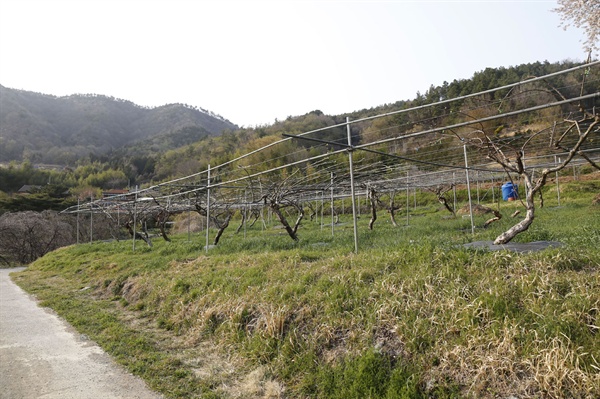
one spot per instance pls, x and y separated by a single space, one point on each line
254 62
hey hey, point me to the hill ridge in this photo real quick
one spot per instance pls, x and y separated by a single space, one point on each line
44 128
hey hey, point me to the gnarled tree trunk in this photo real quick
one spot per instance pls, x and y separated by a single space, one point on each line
222 227
524 224
292 231
373 202
138 236
392 208
161 219
284 222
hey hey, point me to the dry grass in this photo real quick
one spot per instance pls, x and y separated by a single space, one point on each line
474 348
257 385
556 368
487 368
269 323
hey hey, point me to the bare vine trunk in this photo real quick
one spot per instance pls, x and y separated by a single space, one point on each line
392 209
373 201
442 200
256 215
336 216
497 216
524 224
440 194
520 227
300 217
242 222
138 235
313 211
163 232
222 227
163 217
592 121
291 231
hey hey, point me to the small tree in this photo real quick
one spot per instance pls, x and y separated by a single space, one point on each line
286 193
281 196
440 193
220 212
26 236
139 214
568 136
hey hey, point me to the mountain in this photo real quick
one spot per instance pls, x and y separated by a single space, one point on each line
43 128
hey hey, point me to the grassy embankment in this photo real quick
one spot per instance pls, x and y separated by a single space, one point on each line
413 315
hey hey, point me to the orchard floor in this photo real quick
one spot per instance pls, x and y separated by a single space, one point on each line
515 247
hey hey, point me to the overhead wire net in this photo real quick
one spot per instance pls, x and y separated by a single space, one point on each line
415 148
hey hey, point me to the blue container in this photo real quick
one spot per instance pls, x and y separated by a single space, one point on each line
510 192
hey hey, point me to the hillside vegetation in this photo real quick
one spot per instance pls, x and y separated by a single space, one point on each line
46 129
146 146
195 157
413 315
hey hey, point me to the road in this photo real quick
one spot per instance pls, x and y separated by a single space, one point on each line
42 356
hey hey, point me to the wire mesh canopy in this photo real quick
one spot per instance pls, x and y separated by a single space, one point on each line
537 123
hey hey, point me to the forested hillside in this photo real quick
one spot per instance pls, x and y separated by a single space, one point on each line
46 129
214 150
152 145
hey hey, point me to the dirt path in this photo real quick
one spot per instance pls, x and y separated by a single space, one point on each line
41 356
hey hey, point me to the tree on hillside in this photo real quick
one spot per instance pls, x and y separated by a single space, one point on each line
161 214
285 194
583 14
567 136
219 210
440 193
282 195
375 194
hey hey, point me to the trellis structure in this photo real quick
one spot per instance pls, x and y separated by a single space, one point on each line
406 154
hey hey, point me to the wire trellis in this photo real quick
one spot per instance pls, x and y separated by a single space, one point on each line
419 148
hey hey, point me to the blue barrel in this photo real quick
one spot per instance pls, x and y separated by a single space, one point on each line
510 191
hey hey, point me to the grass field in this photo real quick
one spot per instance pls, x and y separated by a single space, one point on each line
413 315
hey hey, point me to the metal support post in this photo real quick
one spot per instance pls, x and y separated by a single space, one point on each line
322 207
352 184
77 220
454 188
493 191
469 191
407 214
557 184
477 177
134 216
415 196
189 219
332 207
91 218
207 206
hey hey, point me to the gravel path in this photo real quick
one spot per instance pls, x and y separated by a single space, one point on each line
41 356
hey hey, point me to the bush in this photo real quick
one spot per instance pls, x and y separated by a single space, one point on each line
26 236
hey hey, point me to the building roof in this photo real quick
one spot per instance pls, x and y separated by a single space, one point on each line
29 188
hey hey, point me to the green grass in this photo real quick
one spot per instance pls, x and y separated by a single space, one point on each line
412 315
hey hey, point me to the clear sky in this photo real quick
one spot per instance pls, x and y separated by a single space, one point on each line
254 61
